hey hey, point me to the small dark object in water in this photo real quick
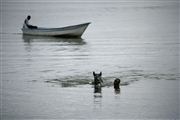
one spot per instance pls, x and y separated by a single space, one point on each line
117 83
97 82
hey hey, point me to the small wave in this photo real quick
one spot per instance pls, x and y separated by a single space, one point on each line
10 33
162 76
68 82
74 82
45 71
143 75
127 78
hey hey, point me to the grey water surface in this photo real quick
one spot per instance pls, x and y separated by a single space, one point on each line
50 78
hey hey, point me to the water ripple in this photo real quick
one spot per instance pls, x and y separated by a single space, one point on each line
127 78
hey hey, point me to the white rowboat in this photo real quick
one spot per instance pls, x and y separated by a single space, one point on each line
69 31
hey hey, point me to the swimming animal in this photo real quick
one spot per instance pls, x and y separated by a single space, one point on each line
97 82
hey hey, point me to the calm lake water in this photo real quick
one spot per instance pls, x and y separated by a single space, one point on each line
135 41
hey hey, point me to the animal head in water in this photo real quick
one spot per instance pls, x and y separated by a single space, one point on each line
97 78
116 83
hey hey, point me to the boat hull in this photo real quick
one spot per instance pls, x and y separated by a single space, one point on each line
70 31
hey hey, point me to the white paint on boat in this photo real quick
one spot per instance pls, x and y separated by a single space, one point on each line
69 31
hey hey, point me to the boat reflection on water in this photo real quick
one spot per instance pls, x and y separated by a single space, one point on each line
31 38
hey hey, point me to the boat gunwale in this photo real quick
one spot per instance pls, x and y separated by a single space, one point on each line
57 29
